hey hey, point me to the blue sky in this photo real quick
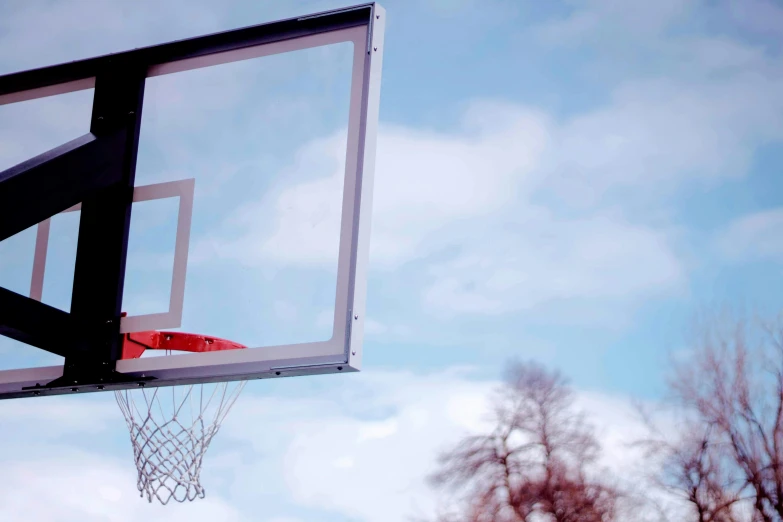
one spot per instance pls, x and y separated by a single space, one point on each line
565 181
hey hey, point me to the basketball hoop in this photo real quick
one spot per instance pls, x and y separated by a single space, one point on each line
171 428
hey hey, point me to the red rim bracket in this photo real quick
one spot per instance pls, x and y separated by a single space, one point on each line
134 344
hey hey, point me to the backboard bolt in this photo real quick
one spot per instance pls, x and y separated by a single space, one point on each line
339 367
141 385
277 373
131 113
74 389
356 317
353 353
374 48
377 17
100 117
100 386
36 392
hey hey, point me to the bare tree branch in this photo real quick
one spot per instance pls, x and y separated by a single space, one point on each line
534 463
732 454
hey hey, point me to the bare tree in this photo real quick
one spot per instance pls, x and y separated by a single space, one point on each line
695 468
730 457
533 466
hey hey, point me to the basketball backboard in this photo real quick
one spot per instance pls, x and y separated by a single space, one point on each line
220 185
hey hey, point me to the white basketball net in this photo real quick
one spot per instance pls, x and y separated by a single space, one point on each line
170 429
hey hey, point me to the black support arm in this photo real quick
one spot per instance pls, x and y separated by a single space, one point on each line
58 179
42 326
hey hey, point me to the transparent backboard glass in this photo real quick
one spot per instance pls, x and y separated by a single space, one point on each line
265 141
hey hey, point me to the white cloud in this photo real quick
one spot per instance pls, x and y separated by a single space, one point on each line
378 430
754 236
685 106
364 448
69 458
471 190
424 182
77 485
544 259
618 424
306 225
612 18
61 414
657 135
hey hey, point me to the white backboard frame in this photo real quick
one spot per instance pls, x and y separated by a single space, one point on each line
172 318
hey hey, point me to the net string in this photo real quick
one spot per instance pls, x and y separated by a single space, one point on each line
168 449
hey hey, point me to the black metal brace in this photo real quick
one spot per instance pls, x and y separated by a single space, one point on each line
98 171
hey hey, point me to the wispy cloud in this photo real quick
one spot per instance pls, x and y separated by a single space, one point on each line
424 182
753 237
472 191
